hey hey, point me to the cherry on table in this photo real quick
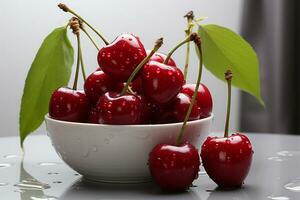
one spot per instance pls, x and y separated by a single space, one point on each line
161 82
121 57
174 168
119 109
227 160
204 99
69 105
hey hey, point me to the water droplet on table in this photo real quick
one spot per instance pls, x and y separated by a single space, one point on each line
4 165
287 153
57 182
202 173
48 163
53 173
43 198
32 184
275 158
3 184
10 156
278 198
19 191
293 186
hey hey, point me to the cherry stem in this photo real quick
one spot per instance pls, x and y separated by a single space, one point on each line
78 63
90 37
187 39
157 45
81 59
67 9
190 18
228 77
198 44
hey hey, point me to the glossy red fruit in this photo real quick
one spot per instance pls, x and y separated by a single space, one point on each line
227 160
69 105
97 84
180 106
204 99
147 110
121 57
137 86
116 109
161 83
174 168
160 57
94 116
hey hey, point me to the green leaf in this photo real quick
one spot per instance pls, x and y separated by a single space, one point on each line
223 49
50 69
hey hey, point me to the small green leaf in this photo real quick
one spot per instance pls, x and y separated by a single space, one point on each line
223 49
50 69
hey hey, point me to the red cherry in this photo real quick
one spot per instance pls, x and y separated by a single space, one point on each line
180 106
160 57
204 99
94 116
227 160
116 109
69 105
137 86
174 168
121 57
161 83
97 84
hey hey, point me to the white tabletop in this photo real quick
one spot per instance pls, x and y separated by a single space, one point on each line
274 174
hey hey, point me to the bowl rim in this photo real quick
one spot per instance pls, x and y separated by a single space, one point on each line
48 118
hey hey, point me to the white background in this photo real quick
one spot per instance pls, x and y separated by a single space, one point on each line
24 24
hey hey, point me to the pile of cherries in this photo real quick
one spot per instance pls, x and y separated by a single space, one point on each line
158 93
155 92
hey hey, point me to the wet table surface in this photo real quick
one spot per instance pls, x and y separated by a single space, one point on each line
40 175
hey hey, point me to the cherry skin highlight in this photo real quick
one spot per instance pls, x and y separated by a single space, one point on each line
121 57
204 99
161 83
174 168
119 109
227 160
69 105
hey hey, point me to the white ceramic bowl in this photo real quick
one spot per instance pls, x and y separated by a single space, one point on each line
117 153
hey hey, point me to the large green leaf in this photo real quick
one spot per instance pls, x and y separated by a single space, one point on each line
50 69
223 49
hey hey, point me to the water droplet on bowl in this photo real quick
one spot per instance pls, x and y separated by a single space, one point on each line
293 186
48 163
94 148
5 165
278 198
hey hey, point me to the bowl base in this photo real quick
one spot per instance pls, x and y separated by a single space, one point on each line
118 180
